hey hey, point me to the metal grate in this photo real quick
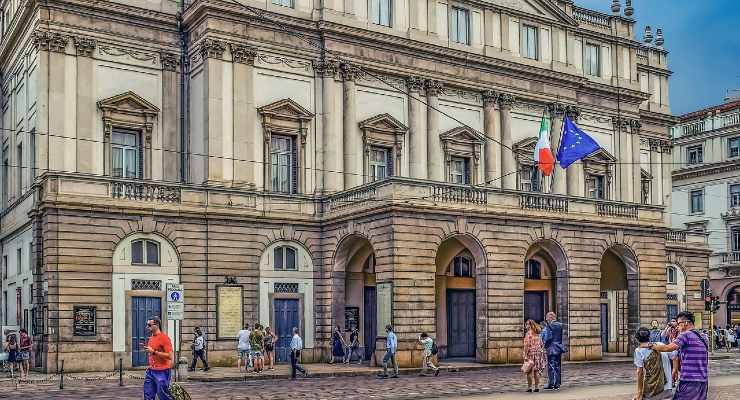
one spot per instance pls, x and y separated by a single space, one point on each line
142 284
285 287
671 296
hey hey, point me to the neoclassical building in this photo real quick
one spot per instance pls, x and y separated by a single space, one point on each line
350 163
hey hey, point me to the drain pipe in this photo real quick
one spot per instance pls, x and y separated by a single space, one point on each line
184 96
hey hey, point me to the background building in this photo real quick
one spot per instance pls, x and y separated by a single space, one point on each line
375 169
706 192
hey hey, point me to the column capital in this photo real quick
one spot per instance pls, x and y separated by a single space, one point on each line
490 97
434 87
556 110
50 41
326 68
573 112
635 125
415 84
242 54
212 48
84 45
620 123
169 61
506 101
348 72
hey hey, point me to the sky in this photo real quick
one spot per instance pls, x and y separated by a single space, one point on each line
703 43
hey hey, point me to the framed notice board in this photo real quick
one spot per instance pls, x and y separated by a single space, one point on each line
85 321
229 313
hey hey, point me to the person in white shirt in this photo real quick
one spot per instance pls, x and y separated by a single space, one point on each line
199 349
296 345
646 381
244 349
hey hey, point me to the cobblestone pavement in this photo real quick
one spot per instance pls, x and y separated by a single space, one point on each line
497 380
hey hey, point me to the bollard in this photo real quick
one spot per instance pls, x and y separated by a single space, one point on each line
61 377
120 372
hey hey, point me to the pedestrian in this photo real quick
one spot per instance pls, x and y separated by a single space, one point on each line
694 356
199 349
243 349
729 338
257 340
159 349
534 356
269 348
430 350
296 345
654 372
552 337
11 347
24 354
670 333
353 346
390 353
337 345
737 336
655 332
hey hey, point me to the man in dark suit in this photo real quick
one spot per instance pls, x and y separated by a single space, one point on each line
552 337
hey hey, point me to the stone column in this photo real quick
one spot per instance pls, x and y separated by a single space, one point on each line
435 156
508 165
331 122
557 112
353 149
636 169
417 130
666 181
492 127
574 173
57 105
624 156
247 138
86 148
656 162
212 53
42 45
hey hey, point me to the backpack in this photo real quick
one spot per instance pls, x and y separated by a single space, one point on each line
654 378
178 392
434 348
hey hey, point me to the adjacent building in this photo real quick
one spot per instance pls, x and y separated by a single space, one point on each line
706 193
315 164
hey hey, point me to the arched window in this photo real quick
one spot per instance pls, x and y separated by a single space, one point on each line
462 266
532 269
145 252
671 275
285 258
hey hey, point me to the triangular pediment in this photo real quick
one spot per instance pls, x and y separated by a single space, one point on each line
601 156
285 108
527 144
128 102
539 8
383 122
462 134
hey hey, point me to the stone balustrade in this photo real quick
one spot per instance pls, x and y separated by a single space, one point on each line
675 236
143 191
613 209
543 202
591 17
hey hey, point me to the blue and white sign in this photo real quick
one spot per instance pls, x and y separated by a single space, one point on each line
175 302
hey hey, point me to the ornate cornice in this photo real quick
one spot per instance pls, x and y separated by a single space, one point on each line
50 41
169 61
415 84
243 54
348 72
212 48
506 101
556 110
85 46
326 68
706 169
434 87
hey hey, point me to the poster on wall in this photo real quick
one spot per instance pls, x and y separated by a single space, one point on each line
385 306
229 311
351 318
84 321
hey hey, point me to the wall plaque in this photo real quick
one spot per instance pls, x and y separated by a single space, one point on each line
351 318
385 306
229 311
85 321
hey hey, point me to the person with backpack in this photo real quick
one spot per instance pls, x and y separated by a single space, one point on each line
430 350
694 356
199 350
654 371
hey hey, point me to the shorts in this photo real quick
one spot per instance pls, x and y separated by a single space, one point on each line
257 353
23 356
243 353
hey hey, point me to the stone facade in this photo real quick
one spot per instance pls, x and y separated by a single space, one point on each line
385 180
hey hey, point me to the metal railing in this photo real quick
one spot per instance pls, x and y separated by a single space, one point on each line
539 201
591 17
143 191
617 210
675 236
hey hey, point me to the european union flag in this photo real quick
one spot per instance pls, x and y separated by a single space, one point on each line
575 144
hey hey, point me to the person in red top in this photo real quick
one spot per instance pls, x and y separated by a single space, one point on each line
158 375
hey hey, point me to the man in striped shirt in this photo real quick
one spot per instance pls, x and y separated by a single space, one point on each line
693 349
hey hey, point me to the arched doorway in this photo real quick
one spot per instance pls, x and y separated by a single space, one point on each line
460 274
545 281
356 304
619 305
733 306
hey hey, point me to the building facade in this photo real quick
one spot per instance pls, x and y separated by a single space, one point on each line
706 189
334 163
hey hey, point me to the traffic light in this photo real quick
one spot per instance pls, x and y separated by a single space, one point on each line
715 303
707 303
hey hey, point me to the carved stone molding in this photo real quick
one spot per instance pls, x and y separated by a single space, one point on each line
635 125
490 98
326 68
85 46
50 41
434 87
212 48
556 110
620 123
506 101
658 145
243 54
169 61
133 54
348 72
573 112
288 62
415 84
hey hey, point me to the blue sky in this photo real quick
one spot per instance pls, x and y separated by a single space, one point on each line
703 41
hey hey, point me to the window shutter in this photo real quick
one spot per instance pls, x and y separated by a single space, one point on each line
389 160
294 166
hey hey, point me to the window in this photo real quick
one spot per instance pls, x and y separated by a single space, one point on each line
6 175
460 170
20 168
697 201
459 25
380 12
735 195
591 60
284 3
284 164
19 261
532 269
645 191
671 278
285 258
530 43
671 311
596 187
145 252
126 154
735 240
380 163
462 266
695 154
5 267
733 145
529 178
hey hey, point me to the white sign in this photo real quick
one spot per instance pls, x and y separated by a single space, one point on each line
175 302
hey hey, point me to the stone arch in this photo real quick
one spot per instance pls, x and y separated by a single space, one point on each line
620 287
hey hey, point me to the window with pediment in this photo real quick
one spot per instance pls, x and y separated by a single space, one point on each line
529 177
383 138
462 147
285 124
598 169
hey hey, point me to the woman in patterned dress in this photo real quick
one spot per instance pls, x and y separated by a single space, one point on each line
534 356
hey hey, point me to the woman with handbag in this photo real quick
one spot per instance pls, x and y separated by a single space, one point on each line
534 356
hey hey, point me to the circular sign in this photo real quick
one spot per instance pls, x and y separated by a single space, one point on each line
175 296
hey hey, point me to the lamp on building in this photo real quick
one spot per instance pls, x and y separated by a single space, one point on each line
628 9
659 39
230 280
616 7
648 35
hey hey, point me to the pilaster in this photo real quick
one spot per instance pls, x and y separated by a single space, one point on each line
435 158
508 167
331 118
557 113
212 52
634 127
247 139
574 173
85 130
492 147
417 129
353 151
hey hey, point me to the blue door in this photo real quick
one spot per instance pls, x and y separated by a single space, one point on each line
286 318
460 323
142 309
371 320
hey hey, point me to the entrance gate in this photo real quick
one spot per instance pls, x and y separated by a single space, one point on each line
142 308
370 311
286 318
460 323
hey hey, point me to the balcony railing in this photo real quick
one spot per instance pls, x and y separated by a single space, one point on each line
730 120
591 17
642 53
675 236
343 200
458 194
732 257
693 128
143 191
544 202
617 210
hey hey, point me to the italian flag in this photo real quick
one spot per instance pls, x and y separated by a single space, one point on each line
542 151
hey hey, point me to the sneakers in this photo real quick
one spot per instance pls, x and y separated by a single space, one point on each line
382 376
436 372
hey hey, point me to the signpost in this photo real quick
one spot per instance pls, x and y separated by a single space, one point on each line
175 312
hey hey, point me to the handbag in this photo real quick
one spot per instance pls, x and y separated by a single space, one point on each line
527 366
